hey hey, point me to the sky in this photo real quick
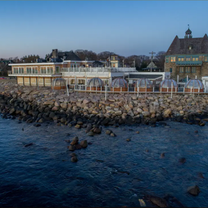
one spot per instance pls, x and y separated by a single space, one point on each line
123 27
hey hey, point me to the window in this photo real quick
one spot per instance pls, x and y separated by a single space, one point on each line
170 70
190 48
21 70
81 82
181 70
195 58
28 70
188 59
193 69
73 81
34 70
57 69
180 59
205 58
172 59
166 60
188 69
43 70
15 70
50 70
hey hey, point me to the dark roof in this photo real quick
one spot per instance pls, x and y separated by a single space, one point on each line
68 55
188 32
181 46
148 76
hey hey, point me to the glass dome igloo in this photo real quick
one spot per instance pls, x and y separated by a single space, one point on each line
143 85
95 84
194 85
166 84
119 84
58 84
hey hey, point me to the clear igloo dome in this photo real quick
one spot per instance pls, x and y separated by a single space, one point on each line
119 82
194 84
168 83
143 83
95 82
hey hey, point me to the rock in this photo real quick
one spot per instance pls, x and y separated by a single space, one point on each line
137 132
96 130
67 140
128 140
37 125
73 154
80 123
167 113
89 127
182 160
108 131
158 201
29 144
172 201
112 134
201 124
74 159
200 175
84 143
193 190
162 155
78 126
74 141
90 133
71 147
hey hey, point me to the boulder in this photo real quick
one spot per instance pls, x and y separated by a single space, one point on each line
74 141
74 159
71 147
193 190
84 143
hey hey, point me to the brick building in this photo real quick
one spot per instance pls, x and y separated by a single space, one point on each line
187 56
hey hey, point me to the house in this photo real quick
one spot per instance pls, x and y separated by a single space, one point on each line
187 56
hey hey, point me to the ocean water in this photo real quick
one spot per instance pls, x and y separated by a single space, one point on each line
110 172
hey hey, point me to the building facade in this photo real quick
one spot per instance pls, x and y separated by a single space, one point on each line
187 56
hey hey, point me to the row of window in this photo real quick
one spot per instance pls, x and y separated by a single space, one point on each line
34 70
188 69
173 59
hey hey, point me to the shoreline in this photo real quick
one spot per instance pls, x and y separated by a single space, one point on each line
34 105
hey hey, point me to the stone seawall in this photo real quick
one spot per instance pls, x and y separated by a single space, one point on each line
38 105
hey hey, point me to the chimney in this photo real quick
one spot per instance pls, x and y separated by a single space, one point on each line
55 53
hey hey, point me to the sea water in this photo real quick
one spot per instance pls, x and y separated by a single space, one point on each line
110 172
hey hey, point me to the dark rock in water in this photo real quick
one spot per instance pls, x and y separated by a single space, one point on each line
73 154
78 126
137 132
29 144
108 131
12 111
71 147
193 190
201 124
179 118
162 155
74 141
162 123
37 125
200 175
90 133
182 160
84 143
68 134
128 140
22 129
160 202
97 130
74 159
172 201
89 127
67 140
105 121
73 123
196 131
89 143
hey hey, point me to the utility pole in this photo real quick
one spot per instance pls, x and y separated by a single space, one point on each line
152 58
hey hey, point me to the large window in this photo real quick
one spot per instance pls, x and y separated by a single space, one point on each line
188 69
21 70
50 70
15 70
180 59
167 60
34 70
172 59
195 58
193 69
181 70
43 70
206 58
188 59
171 70
29 70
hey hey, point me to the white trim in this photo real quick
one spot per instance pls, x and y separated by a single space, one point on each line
31 64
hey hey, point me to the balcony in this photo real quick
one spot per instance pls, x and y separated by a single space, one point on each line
35 74
188 63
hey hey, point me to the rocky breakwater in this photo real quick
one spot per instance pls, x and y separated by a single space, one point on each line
38 105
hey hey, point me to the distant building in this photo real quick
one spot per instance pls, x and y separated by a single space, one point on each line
187 56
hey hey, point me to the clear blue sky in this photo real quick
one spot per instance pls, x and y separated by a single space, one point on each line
124 27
